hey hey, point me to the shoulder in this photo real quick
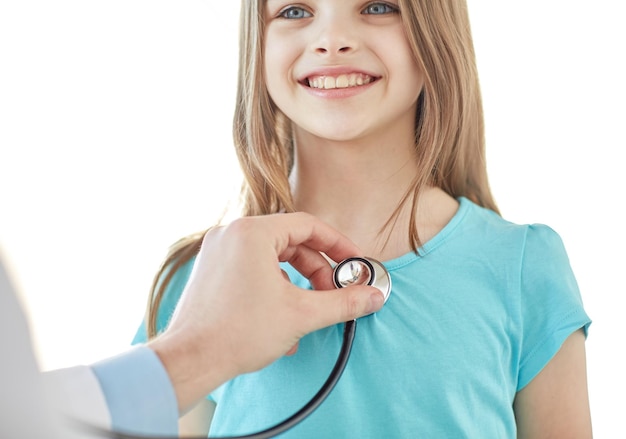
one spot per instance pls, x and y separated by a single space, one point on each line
538 282
545 262
546 276
550 303
534 253
532 256
493 229
544 244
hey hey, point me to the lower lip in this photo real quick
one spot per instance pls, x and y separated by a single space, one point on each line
338 93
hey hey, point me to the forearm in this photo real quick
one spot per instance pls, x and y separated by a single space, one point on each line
193 374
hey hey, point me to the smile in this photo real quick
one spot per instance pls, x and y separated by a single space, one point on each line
340 81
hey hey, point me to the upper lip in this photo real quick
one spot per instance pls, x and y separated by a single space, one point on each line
334 71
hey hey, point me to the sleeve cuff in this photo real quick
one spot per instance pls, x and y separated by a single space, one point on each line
139 393
544 353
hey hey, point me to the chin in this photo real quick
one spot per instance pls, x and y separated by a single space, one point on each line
335 131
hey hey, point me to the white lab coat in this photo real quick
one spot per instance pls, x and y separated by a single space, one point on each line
35 405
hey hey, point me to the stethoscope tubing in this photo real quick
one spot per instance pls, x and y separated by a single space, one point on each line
379 278
349 332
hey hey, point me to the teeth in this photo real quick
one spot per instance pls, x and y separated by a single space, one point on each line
341 81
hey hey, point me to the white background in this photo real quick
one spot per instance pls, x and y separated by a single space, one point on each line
115 141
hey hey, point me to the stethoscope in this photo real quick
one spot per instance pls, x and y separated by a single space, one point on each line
351 271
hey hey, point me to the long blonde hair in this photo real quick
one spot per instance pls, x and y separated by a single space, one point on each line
449 128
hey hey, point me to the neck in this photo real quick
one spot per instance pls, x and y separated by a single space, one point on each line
355 186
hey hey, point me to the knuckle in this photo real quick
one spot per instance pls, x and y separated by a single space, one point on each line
240 232
353 305
303 216
240 226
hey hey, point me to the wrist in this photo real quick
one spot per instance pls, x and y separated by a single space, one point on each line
195 369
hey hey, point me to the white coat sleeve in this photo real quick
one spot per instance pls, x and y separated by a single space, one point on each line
130 392
25 410
75 393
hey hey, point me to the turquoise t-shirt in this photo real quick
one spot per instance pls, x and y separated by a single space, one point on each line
470 321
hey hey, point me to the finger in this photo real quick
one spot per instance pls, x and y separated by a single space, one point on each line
285 275
304 229
293 350
312 265
325 308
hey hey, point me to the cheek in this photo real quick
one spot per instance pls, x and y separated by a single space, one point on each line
275 65
273 84
282 51
403 67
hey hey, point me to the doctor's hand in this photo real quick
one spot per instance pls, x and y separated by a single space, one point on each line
239 312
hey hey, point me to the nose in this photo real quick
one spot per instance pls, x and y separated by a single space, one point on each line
324 49
335 36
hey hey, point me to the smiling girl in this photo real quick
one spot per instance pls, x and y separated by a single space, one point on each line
368 116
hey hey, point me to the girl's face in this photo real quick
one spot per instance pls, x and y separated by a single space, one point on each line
341 69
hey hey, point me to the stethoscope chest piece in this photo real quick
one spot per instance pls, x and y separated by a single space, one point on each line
362 271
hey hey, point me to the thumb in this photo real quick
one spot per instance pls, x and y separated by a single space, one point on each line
329 307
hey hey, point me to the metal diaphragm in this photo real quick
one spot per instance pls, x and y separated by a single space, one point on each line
362 271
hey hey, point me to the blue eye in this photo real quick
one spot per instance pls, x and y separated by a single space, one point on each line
295 12
379 9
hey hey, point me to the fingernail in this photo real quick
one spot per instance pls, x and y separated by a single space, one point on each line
376 302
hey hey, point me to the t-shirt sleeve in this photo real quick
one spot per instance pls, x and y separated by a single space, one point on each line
170 299
550 302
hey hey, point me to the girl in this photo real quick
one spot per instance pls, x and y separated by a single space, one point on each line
367 114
